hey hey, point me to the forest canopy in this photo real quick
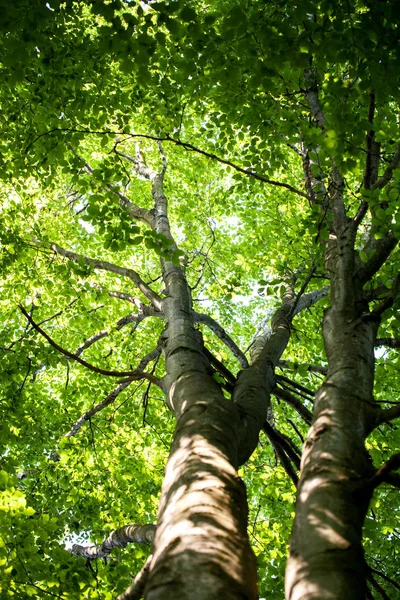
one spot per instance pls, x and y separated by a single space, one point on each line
199 325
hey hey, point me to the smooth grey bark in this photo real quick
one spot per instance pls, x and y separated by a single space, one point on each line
202 517
326 556
142 534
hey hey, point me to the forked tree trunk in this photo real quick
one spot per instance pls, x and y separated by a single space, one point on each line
201 548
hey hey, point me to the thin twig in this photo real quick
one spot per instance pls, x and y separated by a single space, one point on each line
133 375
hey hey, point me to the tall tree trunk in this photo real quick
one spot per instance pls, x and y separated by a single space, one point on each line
326 556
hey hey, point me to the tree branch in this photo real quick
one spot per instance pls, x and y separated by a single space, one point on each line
138 163
282 379
97 408
371 161
136 212
136 589
301 292
385 577
310 299
383 248
222 335
287 364
290 449
133 375
110 267
389 342
294 402
385 472
221 368
389 300
99 335
377 587
313 100
223 161
388 414
275 441
142 534
387 175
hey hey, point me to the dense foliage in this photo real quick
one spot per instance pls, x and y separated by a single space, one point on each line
94 96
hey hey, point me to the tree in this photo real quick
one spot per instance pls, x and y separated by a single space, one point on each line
231 173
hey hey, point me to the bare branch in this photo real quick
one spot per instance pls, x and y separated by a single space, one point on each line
385 577
138 163
221 369
248 172
281 453
142 534
310 299
387 175
136 212
113 395
288 446
136 589
287 364
371 162
97 408
373 149
133 375
110 267
377 587
385 472
389 300
389 414
301 292
222 335
313 100
389 342
295 402
383 248
298 388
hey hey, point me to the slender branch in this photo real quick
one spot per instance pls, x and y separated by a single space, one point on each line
281 453
314 184
136 589
142 534
297 386
136 212
287 364
313 100
301 292
389 300
385 472
220 367
293 425
383 248
290 449
389 342
386 578
27 330
368 593
387 175
371 160
310 299
222 335
97 408
139 165
133 375
294 402
377 586
389 414
99 335
248 172
106 266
